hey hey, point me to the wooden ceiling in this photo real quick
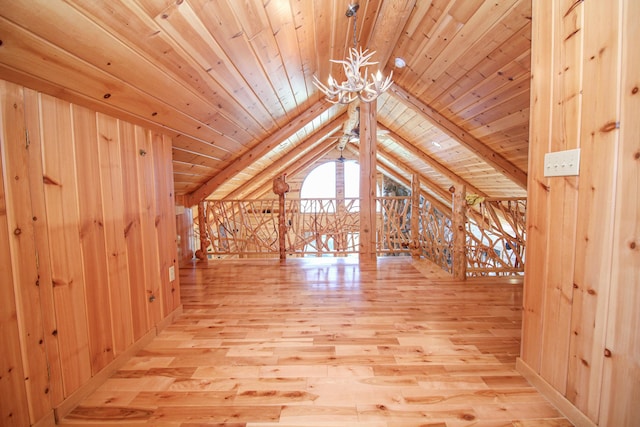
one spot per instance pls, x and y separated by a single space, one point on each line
231 82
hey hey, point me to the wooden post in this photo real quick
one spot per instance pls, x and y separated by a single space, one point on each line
282 227
201 253
340 236
459 235
415 216
280 187
367 154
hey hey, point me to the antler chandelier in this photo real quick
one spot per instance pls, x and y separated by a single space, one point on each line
365 88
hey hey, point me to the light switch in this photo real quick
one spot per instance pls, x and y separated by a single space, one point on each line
172 273
562 163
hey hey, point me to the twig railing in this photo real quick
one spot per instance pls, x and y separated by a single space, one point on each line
496 237
495 231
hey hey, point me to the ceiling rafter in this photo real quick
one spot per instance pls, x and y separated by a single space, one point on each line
423 190
257 151
491 157
301 165
395 171
391 160
387 30
293 155
433 163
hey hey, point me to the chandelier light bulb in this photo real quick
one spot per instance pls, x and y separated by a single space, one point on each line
365 87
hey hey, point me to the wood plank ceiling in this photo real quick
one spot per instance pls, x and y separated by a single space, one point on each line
231 82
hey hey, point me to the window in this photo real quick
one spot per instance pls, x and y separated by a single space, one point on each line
322 182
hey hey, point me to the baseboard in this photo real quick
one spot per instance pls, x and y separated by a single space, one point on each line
97 380
573 414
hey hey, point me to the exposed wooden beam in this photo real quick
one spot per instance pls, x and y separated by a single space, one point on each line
433 163
390 22
494 159
258 151
424 192
391 160
293 155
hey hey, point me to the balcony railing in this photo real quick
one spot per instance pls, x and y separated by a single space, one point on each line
495 231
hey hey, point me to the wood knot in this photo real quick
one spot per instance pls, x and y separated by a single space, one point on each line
607 352
608 127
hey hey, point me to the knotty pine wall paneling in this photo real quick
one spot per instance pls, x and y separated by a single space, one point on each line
22 222
93 239
621 366
109 148
150 250
41 237
133 227
13 411
581 330
65 243
87 206
165 221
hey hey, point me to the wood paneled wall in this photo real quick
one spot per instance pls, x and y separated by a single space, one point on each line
87 236
581 331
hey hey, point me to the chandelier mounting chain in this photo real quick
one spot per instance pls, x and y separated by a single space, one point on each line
365 87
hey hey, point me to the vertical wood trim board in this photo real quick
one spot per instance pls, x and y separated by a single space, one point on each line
87 223
582 283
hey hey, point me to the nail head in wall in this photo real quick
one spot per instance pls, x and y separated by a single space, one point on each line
107 96
154 114
143 152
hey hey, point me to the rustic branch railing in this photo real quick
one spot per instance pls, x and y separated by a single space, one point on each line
436 235
322 226
495 231
496 237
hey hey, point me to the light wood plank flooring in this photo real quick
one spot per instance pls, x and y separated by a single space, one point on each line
328 342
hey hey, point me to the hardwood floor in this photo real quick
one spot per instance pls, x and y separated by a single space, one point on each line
328 342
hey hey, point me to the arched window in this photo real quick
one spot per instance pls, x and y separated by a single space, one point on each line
323 183
320 183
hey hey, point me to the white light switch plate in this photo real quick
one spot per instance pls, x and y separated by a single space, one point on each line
562 163
172 273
